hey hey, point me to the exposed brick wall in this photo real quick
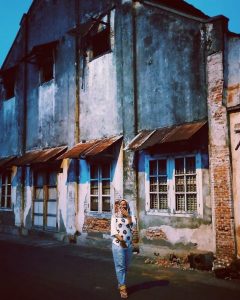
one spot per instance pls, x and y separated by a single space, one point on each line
92 224
153 233
219 157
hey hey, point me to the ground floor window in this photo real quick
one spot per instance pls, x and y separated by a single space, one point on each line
45 200
100 187
172 184
5 190
186 184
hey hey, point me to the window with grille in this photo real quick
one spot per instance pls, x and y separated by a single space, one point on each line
100 188
158 184
173 185
5 191
185 184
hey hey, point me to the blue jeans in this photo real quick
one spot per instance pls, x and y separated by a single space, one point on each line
122 258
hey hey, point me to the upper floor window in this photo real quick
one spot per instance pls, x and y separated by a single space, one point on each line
5 190
98 40
46 69
173 185
100 187
46 63
8 83
44 56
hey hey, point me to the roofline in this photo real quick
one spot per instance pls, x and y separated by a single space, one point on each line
146 2
18 32
2 66
162 6
186 15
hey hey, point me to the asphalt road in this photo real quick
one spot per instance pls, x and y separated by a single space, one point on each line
34 269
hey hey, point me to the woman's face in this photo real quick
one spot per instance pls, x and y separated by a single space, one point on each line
123 205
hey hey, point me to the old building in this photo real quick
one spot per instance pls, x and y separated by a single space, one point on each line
134 99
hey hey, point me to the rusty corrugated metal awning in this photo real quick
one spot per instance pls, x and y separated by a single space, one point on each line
27 158
90 148
183 132
49 154
6 161
39 156
149 138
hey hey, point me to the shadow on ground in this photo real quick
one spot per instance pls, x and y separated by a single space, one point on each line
146 285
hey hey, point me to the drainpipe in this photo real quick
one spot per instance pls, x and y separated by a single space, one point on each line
77 72
135 88
135 103
24 129
77 106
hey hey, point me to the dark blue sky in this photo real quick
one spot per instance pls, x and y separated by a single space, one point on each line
11 12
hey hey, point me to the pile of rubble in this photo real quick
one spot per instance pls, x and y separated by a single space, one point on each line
169 262
203 262
231 271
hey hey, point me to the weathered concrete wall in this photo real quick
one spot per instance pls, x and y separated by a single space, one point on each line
233 71
8 125
170 69
16 194
58 15
124 32
11 111
235 139
233 101
50 114
107 99
72 196
168 91
62 197
99 103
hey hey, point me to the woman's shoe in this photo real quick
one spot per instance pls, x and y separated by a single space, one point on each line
123 291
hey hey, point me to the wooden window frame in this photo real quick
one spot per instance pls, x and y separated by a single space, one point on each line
99 179
45 190
6 181
185 193
171 186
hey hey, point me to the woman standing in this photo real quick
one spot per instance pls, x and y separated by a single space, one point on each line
121 230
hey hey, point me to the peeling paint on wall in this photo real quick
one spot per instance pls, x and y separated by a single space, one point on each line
201 237
46 107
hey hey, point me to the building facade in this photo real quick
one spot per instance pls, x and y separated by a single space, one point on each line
137 99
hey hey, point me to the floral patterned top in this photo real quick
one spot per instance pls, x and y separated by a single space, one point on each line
121 226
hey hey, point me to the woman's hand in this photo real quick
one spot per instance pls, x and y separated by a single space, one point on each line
121 240
124 212
123 244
